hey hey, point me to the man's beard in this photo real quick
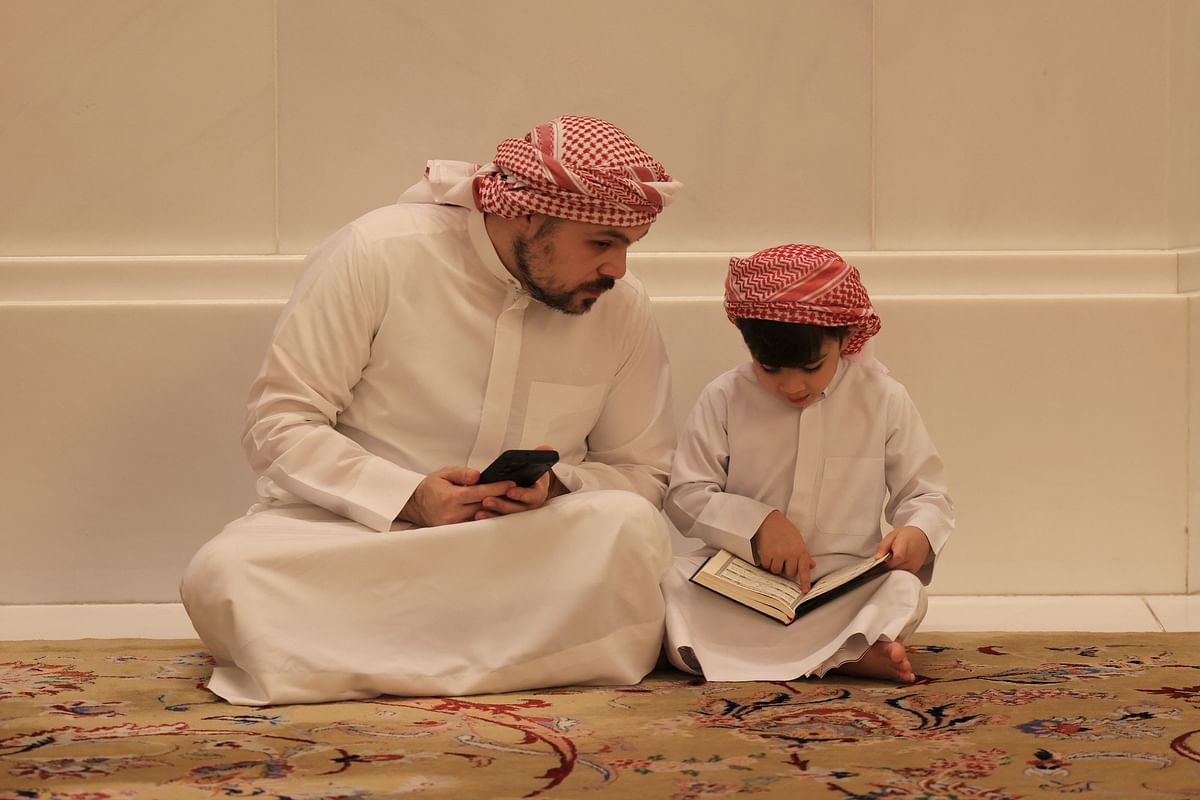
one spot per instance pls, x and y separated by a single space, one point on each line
558 300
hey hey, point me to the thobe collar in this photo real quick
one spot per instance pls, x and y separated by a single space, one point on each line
487 251
837 378
838 375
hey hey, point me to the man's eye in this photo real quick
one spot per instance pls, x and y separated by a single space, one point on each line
602 244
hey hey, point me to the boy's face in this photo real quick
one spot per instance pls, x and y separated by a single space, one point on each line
800 387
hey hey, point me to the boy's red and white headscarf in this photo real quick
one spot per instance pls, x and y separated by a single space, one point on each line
576 168
801 283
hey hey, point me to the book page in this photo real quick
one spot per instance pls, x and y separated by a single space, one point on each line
738 572
839 576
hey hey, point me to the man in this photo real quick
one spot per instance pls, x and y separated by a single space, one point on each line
484 311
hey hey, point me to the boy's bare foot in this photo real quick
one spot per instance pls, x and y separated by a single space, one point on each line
887 660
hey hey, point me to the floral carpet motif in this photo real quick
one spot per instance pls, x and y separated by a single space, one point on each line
992 717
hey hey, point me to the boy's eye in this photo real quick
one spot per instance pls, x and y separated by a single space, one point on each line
768 370
810 370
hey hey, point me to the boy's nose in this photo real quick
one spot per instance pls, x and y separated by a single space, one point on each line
792 384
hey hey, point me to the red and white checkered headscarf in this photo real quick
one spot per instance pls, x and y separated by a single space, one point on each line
801 283
576 168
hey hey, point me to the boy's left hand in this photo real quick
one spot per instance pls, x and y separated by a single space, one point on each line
909 547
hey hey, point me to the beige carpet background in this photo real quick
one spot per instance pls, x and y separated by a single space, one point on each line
994 716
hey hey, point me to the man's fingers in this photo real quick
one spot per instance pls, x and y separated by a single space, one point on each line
525 494
502 505
460 476
481 491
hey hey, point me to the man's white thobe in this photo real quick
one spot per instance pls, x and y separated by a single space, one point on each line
407 346
831 468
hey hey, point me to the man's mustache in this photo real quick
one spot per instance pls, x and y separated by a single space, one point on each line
598 285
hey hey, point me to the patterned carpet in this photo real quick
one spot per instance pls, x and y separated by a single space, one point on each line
994 716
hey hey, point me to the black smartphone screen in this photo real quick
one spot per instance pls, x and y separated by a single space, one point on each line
523 467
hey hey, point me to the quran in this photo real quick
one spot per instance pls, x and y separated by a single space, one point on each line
774 595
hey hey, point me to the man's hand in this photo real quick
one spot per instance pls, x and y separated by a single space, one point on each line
909 547
450 495
780 548
518 498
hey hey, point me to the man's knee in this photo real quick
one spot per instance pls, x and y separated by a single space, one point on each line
633 526
217 566
625 506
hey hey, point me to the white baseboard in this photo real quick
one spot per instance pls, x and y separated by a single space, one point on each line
96 621
1112 613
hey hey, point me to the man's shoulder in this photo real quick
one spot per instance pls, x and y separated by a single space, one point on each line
415 221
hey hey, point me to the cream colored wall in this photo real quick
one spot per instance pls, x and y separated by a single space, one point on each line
1184 116
1018 179
1193 475
257 126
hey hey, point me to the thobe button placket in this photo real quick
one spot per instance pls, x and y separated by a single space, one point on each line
498 395
809 446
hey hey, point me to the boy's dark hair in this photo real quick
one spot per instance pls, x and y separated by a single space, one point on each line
786 345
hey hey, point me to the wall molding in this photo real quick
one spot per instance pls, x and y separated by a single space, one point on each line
1189 270
115 279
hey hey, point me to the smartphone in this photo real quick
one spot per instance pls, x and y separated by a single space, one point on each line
522 466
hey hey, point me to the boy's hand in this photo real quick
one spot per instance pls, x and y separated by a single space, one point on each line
909 547
780 548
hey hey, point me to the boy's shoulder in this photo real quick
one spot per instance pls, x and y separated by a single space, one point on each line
733 380
870 379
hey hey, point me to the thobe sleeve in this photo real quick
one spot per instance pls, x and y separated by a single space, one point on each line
631 443
915 475
317 354
697 502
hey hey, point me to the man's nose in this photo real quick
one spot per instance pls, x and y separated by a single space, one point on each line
615 265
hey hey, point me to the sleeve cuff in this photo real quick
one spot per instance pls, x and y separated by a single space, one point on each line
730 522
380 494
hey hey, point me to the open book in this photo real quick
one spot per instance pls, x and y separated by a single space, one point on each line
774 595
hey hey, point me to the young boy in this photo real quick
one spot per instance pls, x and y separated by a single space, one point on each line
787 462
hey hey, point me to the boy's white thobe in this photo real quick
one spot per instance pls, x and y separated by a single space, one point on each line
406 347
831 468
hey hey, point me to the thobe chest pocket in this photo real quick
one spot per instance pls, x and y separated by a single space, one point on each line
561 415
850 499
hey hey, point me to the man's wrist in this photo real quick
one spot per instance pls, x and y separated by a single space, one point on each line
556 487
410 512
